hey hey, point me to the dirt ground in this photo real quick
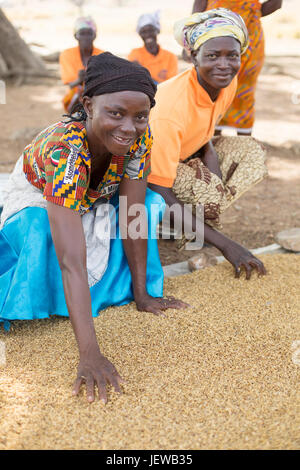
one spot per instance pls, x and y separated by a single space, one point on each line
271 206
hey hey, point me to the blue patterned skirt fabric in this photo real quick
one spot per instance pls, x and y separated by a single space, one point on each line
30 278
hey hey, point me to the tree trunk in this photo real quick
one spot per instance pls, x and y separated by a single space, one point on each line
16 59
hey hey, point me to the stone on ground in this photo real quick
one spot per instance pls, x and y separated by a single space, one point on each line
289 239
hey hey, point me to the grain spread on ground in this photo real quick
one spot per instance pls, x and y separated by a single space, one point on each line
222 375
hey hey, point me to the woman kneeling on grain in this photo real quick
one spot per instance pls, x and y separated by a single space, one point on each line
186 165
55 259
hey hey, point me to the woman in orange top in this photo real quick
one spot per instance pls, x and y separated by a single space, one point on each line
241 113
161 63
73 61
183 121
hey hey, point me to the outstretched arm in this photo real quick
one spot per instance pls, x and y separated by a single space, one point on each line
237 255
135 247
69 241
270 6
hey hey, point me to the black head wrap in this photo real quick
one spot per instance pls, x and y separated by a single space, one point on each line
107 73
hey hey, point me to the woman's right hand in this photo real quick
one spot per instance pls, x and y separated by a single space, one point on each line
96 369
240 258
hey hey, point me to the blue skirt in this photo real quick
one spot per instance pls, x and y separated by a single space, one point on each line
30 278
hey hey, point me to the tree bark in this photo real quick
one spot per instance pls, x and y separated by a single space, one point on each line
16 59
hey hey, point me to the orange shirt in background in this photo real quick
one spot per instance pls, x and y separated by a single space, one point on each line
162 66
182 121
70 63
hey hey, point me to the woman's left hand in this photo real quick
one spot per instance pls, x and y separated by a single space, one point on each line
158 305
240 258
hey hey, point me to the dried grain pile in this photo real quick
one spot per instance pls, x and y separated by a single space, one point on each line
220 375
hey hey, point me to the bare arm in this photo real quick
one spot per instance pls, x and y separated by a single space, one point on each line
237 255
199 5
69 241
136 249
270 6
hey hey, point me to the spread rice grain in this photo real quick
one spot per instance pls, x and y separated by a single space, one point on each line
220 375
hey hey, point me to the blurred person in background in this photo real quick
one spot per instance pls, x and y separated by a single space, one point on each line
73 61
162 64
241 114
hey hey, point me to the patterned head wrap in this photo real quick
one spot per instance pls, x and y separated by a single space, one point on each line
85 22
149 18
107 73
195 30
